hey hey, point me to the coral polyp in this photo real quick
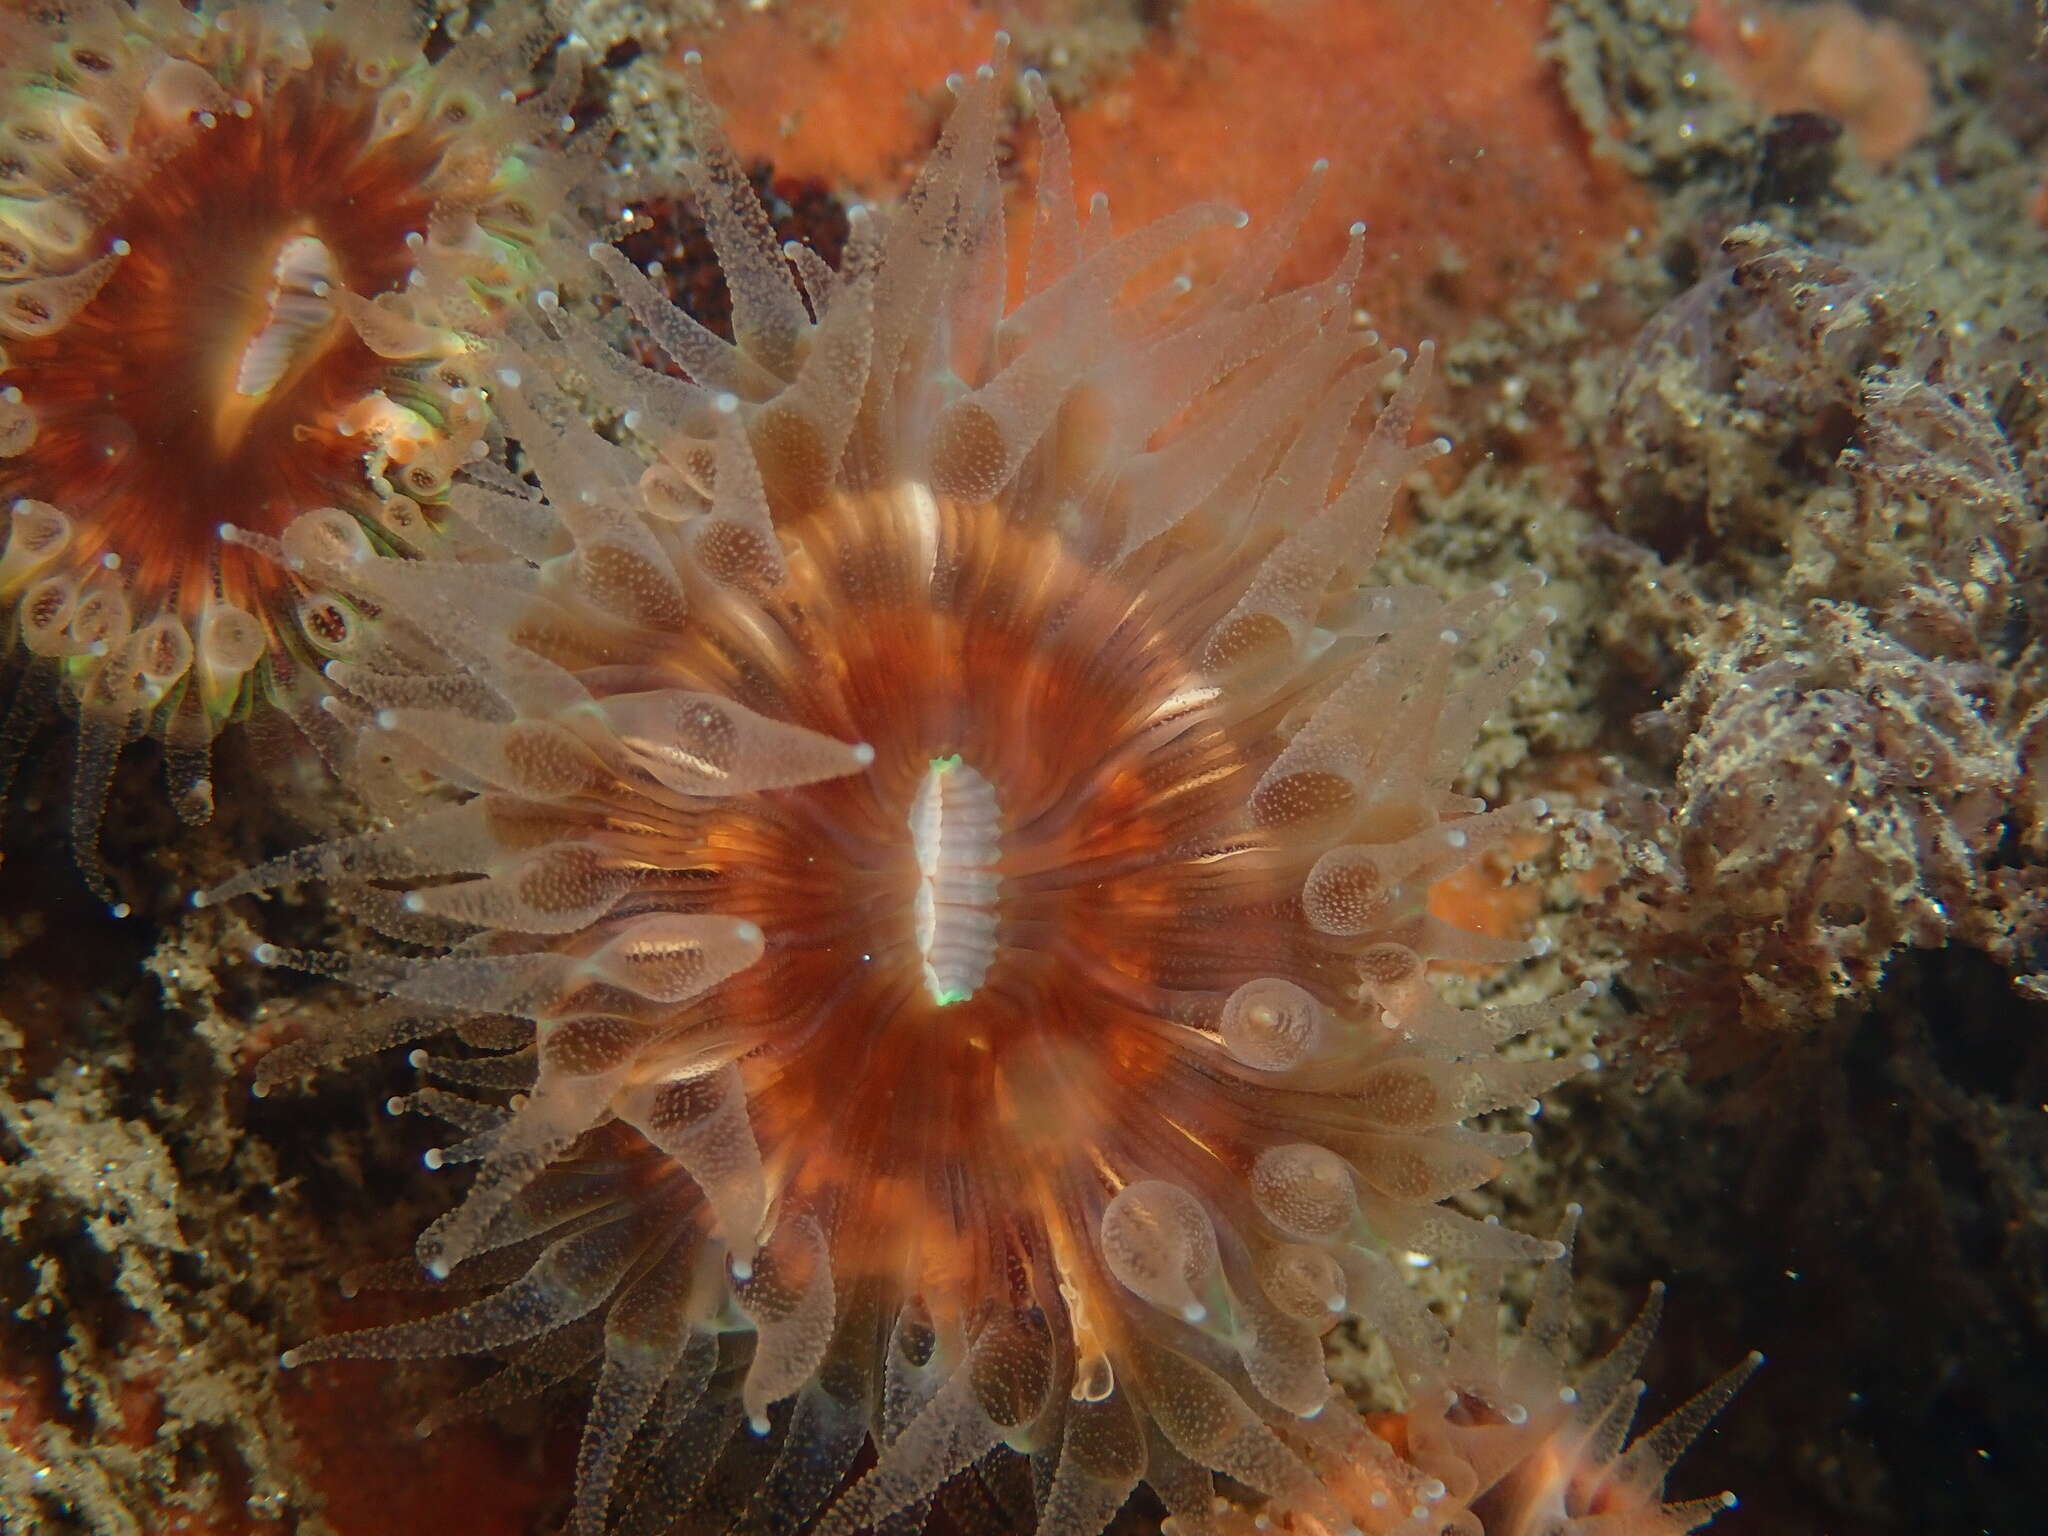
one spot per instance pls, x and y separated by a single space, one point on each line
1519 1444
242 256
927 847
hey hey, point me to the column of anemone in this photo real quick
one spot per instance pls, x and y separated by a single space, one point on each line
240 253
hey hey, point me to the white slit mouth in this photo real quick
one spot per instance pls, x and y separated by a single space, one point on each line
956 828
301 310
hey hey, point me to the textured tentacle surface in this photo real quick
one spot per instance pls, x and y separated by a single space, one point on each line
951 836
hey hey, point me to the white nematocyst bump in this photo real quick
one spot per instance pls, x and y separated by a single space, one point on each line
1158 1241
1305 1190
1271 1025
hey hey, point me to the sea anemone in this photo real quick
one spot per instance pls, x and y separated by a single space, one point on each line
241 251
1532 1448
1518 1443
924 833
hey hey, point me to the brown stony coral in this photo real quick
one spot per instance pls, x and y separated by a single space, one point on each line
241 250
1837 797
1847 501
928 852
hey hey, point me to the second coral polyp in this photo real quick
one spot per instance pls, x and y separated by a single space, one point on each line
212 377
240 253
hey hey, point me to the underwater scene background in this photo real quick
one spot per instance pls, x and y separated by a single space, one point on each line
934 854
